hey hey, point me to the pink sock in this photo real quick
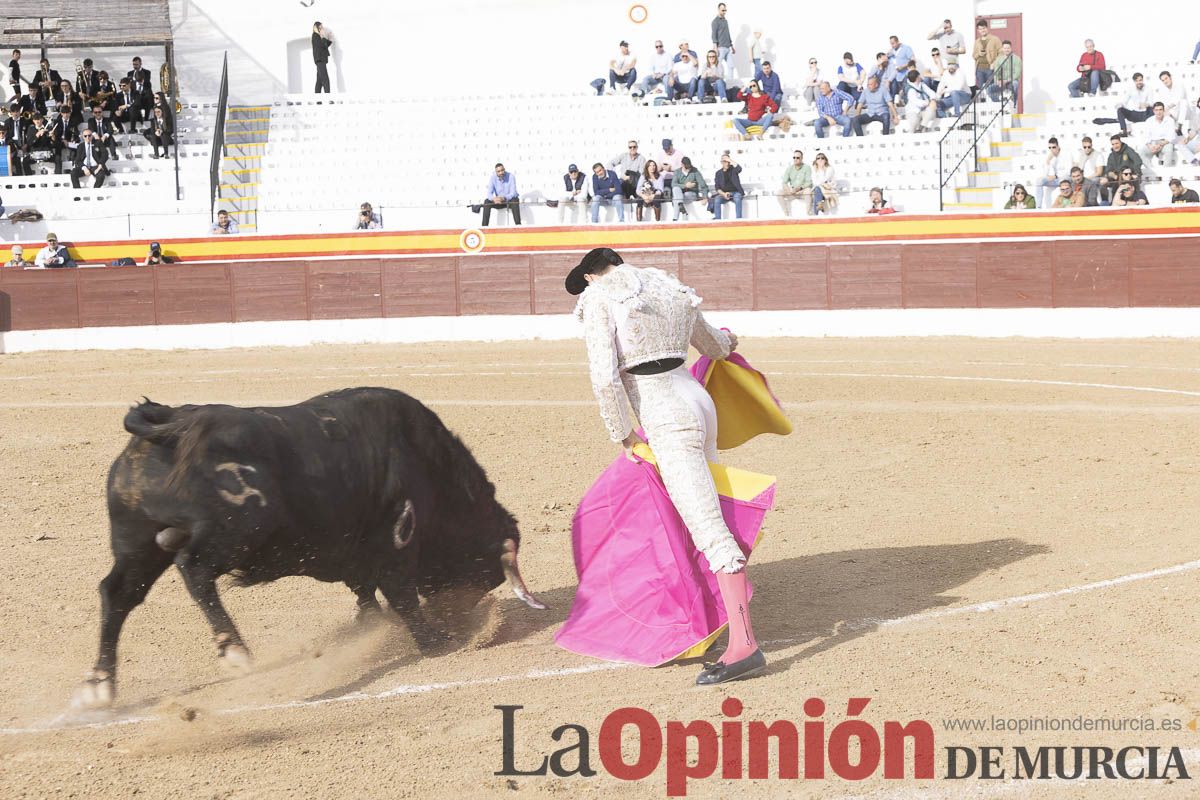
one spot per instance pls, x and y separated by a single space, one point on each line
737 608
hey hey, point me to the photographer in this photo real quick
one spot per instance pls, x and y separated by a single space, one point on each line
1129 194
629 167
156 256
366 222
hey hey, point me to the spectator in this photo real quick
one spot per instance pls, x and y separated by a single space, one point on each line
18 256
919 106
1020 199
878 204
670 160
129 109
1129 194
574 188
365 208
1007 72
1088 160
985 52
933 75
606 191
45 75
901 55
629 166
756 50
660 69
90 160
1063 198
53 255
811 82
1138 105
502 193
70 104
685 48
320 53
875 105
622 69
107 96
1159 135
651 191
1173 97
885 72
1085 193
1121 160
1056 170
850 77
142 86
797 184
1189 146
366 222
14 74
760 109
727 187
688 185
42 144
832 109
712 78
87 82
1090 65
64 135
770 84
825 196
160 133
103 131
32 102
722 41
685 78
953 91
949 40
17 134
225 224
156 256
1178 195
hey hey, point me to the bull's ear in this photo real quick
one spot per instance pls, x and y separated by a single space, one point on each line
151 421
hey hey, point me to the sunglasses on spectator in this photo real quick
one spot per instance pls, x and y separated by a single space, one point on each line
812 63
1127 172
1019 191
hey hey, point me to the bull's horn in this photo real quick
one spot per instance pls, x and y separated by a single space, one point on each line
513 576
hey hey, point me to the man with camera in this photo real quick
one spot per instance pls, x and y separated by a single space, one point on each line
1129 194
629 166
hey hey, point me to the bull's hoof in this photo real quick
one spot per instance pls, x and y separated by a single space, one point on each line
98 691
369 614
236 658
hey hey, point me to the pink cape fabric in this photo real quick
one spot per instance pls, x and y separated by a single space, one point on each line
646 595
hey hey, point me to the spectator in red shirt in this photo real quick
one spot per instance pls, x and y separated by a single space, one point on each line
760 109
1091 64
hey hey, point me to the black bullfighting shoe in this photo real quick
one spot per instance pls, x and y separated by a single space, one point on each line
721 672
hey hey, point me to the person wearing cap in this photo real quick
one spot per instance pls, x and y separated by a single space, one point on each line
669 161
637 326
18 257
156 256
622 69
688 185
953 89
575 192
53 255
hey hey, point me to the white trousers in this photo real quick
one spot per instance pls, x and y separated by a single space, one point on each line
680 421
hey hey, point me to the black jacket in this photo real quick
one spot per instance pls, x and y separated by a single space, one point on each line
320 48
729 180
88 87
578 183
101 127
14 126
99 153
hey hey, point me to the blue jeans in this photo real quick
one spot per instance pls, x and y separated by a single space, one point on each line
715 84
1076 86
850 89
857 123
982 76
743 124
690 88
1196 52
822 124
723 60
955 99
649 82
818 198
629 78
758 62
719 201
995 89
616 200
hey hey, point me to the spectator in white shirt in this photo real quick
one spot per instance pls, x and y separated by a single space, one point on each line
659 69
1136 105
1173 97
811 81
950 40
953 89
686 76
1089 160
669 161
621 70
1159 133
1058 169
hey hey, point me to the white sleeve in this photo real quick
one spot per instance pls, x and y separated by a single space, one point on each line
599 332
710 341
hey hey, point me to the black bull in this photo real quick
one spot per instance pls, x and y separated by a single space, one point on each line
361 486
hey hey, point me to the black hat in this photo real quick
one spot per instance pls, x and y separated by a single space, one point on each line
155 246
596 259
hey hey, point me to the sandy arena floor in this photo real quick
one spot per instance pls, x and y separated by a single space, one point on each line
924 477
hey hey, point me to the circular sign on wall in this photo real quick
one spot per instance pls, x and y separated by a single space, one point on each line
638 13
471 240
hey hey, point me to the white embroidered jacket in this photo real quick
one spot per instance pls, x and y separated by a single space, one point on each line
631 316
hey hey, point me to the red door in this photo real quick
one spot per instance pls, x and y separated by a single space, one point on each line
1008 28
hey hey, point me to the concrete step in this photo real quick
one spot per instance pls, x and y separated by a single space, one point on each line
967 206
1021 134
988 179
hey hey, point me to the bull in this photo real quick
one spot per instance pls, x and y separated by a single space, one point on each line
365 486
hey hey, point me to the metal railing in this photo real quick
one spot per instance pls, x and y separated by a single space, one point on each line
959 146
218 146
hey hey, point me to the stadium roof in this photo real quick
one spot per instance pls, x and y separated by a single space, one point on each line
33 24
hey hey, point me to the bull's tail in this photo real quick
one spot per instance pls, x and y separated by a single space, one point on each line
185 433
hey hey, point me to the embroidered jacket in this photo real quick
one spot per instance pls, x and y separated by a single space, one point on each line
631 316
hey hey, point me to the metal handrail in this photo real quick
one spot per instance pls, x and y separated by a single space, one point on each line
977 130
218 146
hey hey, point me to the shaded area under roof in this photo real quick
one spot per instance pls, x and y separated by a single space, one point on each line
83 23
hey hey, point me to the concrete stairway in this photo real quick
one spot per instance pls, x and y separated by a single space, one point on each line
247 129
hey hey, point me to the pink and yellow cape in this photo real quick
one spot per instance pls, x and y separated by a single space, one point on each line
646 594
